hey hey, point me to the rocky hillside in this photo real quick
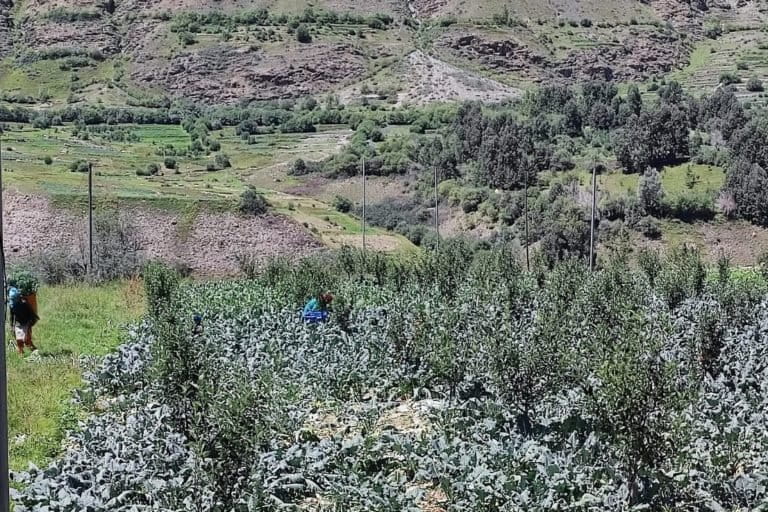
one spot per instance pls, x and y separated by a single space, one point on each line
142 52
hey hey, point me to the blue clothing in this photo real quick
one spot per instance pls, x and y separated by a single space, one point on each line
14 295
312 306
314 312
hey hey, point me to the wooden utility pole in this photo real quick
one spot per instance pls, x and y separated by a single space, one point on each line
4 469
90 218
364 200
437 213
592 223
527 256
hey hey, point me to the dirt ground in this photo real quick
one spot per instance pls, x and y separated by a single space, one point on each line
740 241
429 79
210 242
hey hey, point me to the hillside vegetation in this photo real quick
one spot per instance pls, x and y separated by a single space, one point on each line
145 53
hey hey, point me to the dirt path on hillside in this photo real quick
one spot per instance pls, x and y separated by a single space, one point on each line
209 242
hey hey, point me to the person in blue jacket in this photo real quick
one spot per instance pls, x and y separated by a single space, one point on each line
316 310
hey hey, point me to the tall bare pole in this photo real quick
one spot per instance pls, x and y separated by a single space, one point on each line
592 223
527 256
90 217
4 469
437 213
364 201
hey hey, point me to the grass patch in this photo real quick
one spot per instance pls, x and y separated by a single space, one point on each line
74 320
708 179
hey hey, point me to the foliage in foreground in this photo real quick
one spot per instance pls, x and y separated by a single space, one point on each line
554 390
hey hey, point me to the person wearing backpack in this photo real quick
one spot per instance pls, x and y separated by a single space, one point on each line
23 318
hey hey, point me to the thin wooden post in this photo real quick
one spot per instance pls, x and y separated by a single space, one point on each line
527 255
90 218
437 213
4 469
364 201
592 222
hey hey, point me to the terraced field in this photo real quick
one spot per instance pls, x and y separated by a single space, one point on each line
262 164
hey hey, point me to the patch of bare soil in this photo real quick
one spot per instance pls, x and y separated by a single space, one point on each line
742 242
429 80
377 188
382 243
225 73
210 244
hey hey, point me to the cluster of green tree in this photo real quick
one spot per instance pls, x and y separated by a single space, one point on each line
89 115
111 133
63 15
217 21
60 53
199 130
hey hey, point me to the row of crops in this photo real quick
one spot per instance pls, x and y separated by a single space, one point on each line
454 382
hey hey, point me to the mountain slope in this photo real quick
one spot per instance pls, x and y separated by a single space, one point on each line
143 52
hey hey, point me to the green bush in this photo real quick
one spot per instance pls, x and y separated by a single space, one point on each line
160 284
754 84
153 169
222 161
48 160
649 227
729 78
252 202
24 279
303 35
170 163
79 166
342 204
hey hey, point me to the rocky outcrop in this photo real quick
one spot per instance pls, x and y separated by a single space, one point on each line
639 56
92 36
502 55
228 74
6 26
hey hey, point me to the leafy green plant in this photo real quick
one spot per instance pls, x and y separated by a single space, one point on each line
24 279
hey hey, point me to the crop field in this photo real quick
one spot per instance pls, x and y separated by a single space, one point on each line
454 381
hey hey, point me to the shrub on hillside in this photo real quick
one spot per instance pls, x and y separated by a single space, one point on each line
48 160
252 202
170 163
729 78
222 161
303 35
58 266
342 204
650 192
79 166
754 84
649 227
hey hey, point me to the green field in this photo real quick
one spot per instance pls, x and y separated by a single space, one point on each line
262 164
708 180
75 321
